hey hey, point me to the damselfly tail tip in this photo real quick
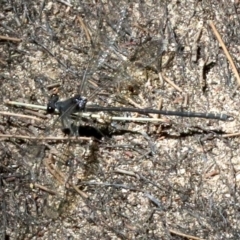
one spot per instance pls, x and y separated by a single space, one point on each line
228 118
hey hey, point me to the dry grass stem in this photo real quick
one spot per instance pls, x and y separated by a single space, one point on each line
10 39
172 83
234 69
119 174
19 116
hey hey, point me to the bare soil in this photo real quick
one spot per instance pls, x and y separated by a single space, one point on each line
175 178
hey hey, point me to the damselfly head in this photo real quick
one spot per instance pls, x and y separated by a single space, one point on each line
81 102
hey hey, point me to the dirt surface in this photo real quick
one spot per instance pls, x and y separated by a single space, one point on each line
175 178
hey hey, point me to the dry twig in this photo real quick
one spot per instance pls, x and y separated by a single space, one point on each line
10 38
215 31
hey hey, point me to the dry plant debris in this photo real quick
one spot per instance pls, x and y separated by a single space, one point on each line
178 178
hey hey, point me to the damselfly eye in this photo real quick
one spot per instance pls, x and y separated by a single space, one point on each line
81 102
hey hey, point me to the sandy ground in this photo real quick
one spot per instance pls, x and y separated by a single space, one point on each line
172 178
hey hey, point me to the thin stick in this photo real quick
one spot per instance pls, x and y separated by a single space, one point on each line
10 38
231 135
54 85
136 105
184 235
20 104
35 113
81 193
44 138
159 107
56 173
185 103
3 62
65 2
20 115
160 78
225 51
132 119
195 46
45 189
121 171
172 83
84 28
